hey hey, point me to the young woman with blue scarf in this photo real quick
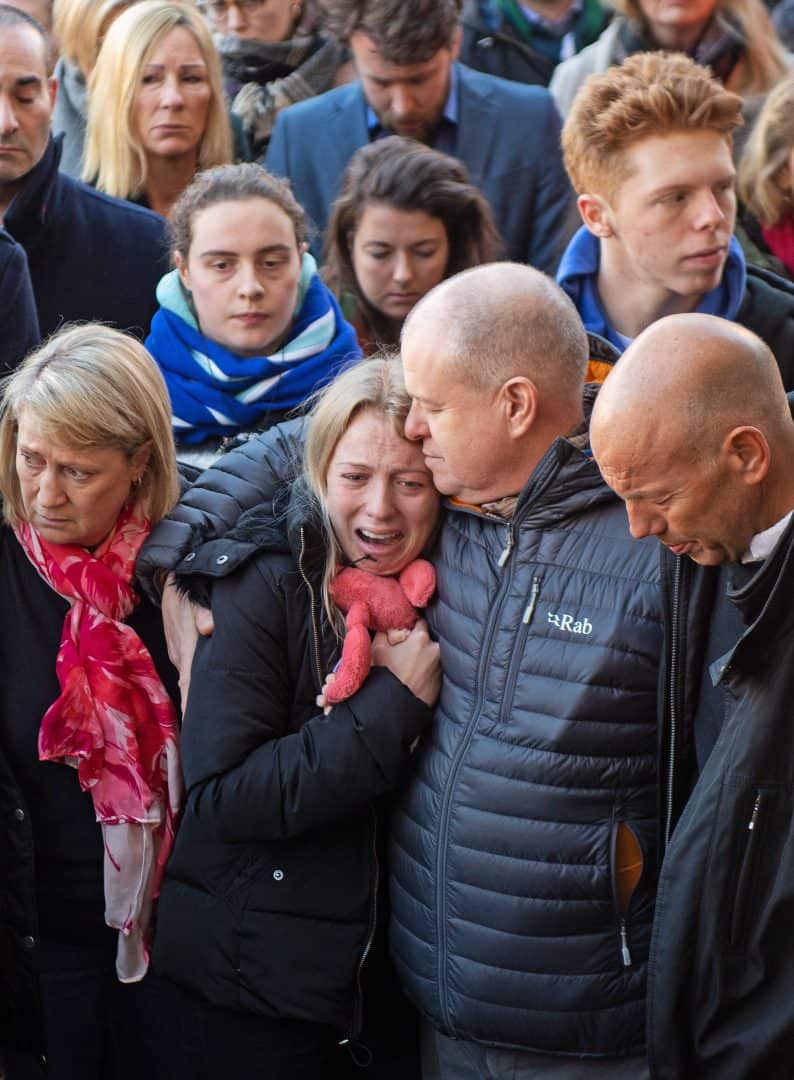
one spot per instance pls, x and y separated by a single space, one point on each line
246 329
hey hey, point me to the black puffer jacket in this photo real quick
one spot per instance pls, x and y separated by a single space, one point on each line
721 998
268 903
768 310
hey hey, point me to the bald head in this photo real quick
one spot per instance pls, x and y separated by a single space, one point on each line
693 430
692 378
504 320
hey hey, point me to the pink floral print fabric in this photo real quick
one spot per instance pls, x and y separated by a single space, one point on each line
114 722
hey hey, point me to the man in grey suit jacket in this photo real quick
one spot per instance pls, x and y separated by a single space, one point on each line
405 51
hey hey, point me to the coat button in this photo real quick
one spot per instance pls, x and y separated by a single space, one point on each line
222 559
29 942
278 875
190 557
19 814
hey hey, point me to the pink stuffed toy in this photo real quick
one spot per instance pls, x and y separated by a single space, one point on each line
374 603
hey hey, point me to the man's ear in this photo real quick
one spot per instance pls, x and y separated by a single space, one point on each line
747 453
596 215
519 399
182 270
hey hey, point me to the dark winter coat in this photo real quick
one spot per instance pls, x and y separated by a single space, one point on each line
19 323
721 1005
768 310
491 44
269 901
556 725
91 257
29 647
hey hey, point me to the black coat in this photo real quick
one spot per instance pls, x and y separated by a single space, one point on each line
29 643
721 989
768 310
91 257
19 324
491 44
269 901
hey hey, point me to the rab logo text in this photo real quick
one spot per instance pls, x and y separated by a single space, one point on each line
567 622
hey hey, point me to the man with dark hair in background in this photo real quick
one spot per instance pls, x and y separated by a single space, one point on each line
90 256
409 83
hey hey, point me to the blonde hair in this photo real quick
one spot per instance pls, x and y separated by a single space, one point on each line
764 60
651 93
91 387
115 161
767 154
376 384
78 26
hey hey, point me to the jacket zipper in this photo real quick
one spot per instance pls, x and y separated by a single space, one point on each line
515 663
446 804
315 629
358 1012
623 936
673 681
745 879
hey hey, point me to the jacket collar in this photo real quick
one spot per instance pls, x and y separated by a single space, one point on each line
765 605
32 207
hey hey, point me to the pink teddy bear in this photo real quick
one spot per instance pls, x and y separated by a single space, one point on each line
374 603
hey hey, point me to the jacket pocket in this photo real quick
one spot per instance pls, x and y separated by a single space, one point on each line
747 869
626 867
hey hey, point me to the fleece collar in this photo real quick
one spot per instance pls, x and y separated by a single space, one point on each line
578 275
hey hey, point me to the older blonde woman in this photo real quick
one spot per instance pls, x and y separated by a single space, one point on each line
766 184
80 27
89 781
156 110
735 38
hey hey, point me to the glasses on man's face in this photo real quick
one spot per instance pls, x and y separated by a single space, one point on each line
219 9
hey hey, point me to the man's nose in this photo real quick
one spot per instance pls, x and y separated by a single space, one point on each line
643 522
402 100
235 19
708 212
415 426
8 118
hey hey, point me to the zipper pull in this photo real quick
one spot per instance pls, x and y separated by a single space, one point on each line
754 815
624 944
533 599
506 553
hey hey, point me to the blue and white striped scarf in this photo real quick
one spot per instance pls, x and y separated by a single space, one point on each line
214 392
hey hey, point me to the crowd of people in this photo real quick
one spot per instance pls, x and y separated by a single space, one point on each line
397 519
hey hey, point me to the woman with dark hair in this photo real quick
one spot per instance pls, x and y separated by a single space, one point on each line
407 217
246 329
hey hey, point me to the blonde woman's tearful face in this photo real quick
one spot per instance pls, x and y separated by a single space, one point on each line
73 496
243 270
170 110
380 496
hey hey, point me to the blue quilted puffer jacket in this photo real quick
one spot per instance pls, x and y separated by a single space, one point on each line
506 923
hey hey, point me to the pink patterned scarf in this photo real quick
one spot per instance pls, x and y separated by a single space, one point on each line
114 722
